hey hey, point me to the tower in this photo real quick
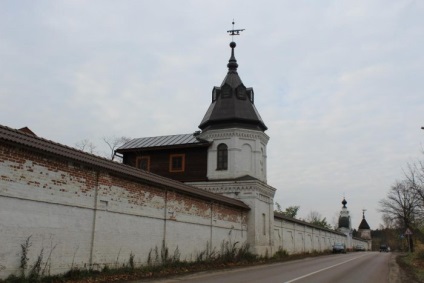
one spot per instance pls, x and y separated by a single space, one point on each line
364 230
236 130
236 163
344 224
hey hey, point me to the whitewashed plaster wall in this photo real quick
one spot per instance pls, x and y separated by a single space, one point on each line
296 236
83 217
247 153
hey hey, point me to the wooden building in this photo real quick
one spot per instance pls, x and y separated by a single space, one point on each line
179 157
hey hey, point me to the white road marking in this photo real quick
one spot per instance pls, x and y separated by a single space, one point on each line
318 271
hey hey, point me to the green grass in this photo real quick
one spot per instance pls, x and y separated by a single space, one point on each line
412 266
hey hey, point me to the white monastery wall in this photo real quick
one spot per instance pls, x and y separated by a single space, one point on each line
82 217
85 217
295 236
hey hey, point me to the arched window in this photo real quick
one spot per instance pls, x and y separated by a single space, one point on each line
222 157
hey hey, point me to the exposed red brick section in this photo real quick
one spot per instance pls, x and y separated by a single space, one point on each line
188 205
45 173
230 214
57 175
64 156
136 193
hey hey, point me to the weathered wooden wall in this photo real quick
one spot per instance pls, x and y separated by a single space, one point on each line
195 162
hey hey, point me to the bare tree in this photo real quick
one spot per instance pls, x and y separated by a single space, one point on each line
415 178
402 205
114 142
86 145
388 223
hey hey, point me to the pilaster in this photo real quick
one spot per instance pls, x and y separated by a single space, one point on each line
260 198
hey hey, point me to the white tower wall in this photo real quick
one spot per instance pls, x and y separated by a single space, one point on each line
246 153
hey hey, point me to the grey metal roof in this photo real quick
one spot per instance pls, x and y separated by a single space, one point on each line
16 137
161 141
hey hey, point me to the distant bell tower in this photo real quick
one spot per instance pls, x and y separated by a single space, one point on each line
345 225
344 217
364 229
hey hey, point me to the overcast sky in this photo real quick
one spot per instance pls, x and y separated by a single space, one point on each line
338 83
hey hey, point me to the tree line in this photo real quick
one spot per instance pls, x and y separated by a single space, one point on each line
313 217
403 207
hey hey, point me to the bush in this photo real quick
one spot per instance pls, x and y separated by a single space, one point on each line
280 254
419 251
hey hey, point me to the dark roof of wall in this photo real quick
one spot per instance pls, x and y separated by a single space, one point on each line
291 219
232 103
15 137
162 141
27 131
364 224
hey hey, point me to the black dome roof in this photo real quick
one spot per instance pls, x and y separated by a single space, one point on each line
232 103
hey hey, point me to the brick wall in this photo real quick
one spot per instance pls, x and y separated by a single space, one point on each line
81 215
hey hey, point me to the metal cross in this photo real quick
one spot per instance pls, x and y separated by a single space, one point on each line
234 32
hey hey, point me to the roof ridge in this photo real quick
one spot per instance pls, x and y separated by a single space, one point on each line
161 141
165 136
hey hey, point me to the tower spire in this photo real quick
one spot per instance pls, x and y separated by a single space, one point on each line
232 63
344 202
232 103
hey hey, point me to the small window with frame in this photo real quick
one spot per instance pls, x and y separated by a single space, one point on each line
176 162
143 162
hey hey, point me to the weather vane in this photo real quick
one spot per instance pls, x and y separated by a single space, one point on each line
234 32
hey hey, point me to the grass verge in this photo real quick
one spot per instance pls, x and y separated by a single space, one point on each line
412 267
166 269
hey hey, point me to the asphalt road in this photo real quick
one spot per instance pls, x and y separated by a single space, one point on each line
358 267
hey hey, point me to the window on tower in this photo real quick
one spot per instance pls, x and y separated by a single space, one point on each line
222 157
